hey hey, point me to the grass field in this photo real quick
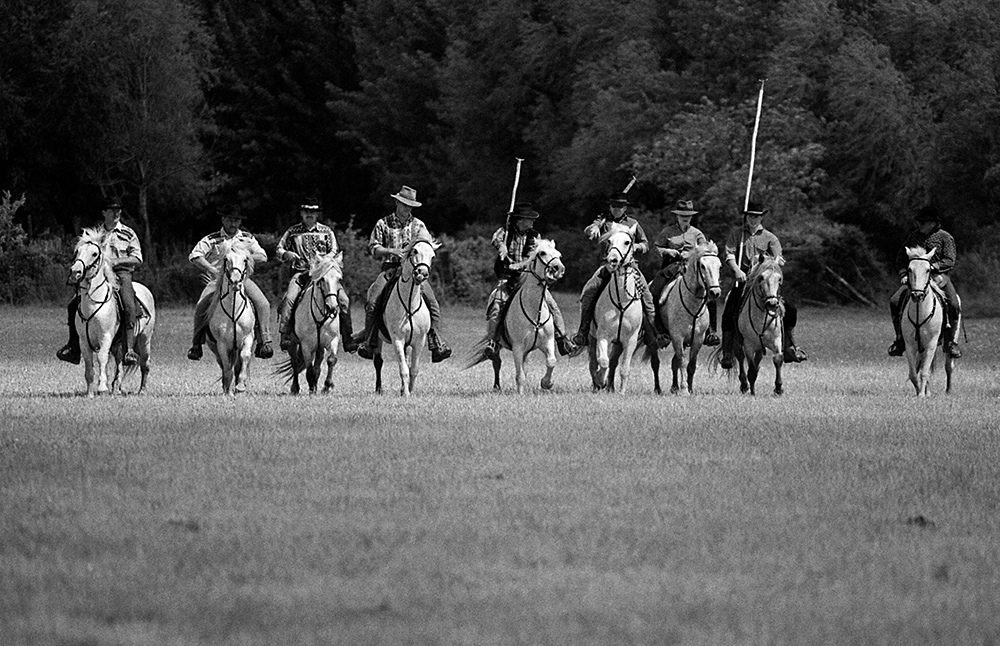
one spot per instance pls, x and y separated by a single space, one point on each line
846 511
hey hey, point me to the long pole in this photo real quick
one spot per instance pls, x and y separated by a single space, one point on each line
753 157
513 193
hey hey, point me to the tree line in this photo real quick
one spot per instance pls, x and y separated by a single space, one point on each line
872 108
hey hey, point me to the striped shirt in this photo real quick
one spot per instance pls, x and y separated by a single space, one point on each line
307 243
208 247
939 240
391 233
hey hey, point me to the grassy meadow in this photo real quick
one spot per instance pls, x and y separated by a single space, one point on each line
846 511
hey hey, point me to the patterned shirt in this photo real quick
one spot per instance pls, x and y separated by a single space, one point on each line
938 239
124 243
671 237
603 224
759 242
307 243
208 247
391 233
519 245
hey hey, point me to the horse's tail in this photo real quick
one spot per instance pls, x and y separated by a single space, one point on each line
647 352
287 368
477 354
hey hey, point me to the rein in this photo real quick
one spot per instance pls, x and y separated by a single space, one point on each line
543 281
90 276
414 288
324 311
760 305
929 287
702 300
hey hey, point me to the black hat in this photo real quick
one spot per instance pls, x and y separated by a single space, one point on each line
523 210
618 199
311 204
230 211
685 208
928 214
112 204
756 208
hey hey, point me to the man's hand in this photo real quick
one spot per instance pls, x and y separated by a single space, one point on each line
741 276
292 256
904 280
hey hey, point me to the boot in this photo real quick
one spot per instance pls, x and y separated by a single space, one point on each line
492 349
347 331
727 361
70 352
439 351
792 353
264 350
587 300
711 338
566 346
287 340
368 340
898 347
195 353
130 358
950 344
653 337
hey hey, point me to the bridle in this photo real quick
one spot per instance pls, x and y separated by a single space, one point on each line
89 273
414 285
702 285
769 305
917 296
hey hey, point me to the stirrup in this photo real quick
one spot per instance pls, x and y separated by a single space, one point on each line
898 348
491 350
366 351
953 350
712 339
130 358
794 354
580 339
566 346
264 350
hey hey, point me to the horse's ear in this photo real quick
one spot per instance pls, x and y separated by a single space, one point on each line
780 260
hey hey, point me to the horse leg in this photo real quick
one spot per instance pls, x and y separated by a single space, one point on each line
550 364
778 384
692 366
614 355
742 359
654 363
242 371
912 361
88 372
101 367
313 369
676 362
949 366
519 376
600 372
377 362
496 374
331 361
414 361
753 369
404 367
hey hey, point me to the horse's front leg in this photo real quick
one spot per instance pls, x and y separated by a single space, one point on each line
779 361
241 371
414 360
692 366
927 368
101 358
753 369
404 366
331 361
88 372
654 364
377 361
550 363
315 369
677 363
496 373
615 351
742 359
519 372
600 363
625 363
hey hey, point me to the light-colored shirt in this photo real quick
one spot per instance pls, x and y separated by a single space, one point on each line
307 243
758 242
671 237
391 233
640 243
208 247
124 243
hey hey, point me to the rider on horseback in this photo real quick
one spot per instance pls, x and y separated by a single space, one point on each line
298 245
756 241
928 235
514 244
206 256
675 243
125 256
389 238
618 214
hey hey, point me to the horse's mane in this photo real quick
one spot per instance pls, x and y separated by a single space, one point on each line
616 227
541 244
421 237
700 251
225 247
766 264
919 252
320 266
99 235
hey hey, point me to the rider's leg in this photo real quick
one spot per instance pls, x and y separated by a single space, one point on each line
588 298
285 312
898 347
954 316
346 323
729 326
654 337
792 353
130 305
369 336
496 300
71 351
564 344
200 322
263 310
439 349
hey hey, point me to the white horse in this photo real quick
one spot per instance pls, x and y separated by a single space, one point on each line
317 323
232 319
683 305
923 322
614 333
98 320
406 317
759 324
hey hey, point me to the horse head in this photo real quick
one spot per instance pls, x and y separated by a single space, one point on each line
326 272
237 263
90 258
704 263
620 246
419 255
544 262
765 279
918 271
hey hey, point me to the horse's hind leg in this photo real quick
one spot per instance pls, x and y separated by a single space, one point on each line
496 373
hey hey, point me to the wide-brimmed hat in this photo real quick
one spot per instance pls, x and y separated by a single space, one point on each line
311 204
407 196
618 199
112 204
756 208
685 208
524 210
230 211
928 214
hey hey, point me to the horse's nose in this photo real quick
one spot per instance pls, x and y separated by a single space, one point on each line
714 293
558 271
